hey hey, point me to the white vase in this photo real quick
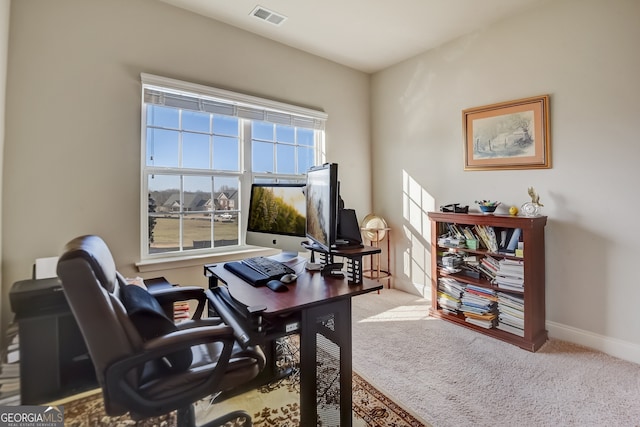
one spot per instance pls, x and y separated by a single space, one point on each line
530 209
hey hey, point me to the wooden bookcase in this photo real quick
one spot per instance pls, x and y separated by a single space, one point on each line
533 294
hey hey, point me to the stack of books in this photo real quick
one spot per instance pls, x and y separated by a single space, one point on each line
449 293
511 313
510 275
489 267
181 311
478 305
487 236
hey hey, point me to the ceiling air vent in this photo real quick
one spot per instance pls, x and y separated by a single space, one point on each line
268 15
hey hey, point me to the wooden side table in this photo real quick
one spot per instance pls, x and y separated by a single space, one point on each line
376 271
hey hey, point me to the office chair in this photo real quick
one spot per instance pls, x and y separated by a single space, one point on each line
145 363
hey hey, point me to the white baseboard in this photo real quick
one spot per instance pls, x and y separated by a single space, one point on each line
612 346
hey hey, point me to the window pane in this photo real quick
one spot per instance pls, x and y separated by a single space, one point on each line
285 134
162 148
262 130
225 230
305 159
305 137
164 204
225 193
226 217
166 234
226 153
286 155
195 121
162 116
196 231
223 125
262 157
195 150
197 193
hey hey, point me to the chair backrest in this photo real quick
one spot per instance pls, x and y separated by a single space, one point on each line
92 287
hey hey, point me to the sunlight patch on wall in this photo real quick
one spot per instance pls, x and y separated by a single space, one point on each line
417 231
402 314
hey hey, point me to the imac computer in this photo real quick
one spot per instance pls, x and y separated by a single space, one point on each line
277 217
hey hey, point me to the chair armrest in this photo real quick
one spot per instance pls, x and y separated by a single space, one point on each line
167 296
116 374
245 331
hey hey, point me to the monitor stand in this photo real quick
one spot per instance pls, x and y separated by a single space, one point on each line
285 256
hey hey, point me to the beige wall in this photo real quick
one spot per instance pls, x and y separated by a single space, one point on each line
72 153
584 54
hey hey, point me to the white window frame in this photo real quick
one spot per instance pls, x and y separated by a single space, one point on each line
220 101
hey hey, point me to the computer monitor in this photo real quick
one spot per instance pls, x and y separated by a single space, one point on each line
322 205
277 217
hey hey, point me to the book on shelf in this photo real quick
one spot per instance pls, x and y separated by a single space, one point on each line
510 322
487 324
510 280
487 291
481 294
510 274
506 305
486 316
511 329
510 298
510 287
513 262
516 316
511 270
513 241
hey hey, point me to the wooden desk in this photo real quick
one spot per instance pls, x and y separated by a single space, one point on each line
319 309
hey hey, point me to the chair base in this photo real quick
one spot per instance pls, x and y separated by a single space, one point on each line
186 417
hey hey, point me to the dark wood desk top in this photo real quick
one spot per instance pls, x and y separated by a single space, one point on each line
310 289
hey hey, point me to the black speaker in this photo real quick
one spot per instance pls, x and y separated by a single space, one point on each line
348 229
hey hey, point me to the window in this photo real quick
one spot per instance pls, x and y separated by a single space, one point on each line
201 149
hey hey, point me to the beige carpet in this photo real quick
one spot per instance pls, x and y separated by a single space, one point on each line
451 376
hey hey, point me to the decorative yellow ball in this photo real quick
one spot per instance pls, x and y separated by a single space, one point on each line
513 211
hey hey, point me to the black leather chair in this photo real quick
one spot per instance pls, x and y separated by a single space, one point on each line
146 364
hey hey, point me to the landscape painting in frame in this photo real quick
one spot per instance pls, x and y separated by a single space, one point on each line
508 135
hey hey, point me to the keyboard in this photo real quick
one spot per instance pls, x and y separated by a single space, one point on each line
269 267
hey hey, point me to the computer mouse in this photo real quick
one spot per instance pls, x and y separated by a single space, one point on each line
277 286
288 278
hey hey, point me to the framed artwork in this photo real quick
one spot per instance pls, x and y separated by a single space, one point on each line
508 135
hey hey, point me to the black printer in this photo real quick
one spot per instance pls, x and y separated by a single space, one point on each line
37 297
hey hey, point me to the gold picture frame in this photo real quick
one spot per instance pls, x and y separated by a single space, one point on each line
508 135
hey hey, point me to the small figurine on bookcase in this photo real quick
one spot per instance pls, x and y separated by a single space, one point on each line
532 208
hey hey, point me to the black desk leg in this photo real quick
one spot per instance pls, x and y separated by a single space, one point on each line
325 364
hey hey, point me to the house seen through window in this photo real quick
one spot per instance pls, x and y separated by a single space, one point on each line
202 148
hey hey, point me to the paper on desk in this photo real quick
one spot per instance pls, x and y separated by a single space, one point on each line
46 267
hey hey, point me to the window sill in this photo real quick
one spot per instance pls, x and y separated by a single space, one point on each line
166 263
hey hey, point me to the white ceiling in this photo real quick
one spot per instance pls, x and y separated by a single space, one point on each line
368 35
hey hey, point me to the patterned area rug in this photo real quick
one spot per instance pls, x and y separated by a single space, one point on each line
276 404
370 408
